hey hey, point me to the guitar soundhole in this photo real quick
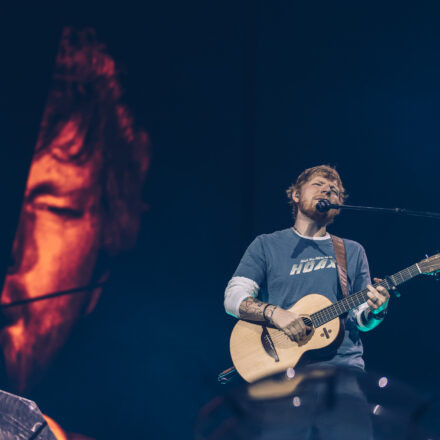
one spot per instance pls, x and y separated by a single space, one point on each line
307 321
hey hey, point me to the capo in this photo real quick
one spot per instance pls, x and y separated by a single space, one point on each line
393 286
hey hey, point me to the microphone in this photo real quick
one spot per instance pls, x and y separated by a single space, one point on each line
324 205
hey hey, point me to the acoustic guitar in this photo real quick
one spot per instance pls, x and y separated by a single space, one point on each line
258 350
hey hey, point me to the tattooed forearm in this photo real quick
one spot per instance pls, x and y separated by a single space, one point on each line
253 309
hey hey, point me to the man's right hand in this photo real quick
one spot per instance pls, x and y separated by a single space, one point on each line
290 323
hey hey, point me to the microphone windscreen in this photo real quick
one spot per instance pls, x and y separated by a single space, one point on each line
323 205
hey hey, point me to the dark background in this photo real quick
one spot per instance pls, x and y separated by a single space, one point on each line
238 99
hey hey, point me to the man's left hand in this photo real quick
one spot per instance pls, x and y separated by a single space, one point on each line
378 297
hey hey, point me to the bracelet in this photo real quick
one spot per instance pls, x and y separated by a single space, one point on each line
264 311
271 314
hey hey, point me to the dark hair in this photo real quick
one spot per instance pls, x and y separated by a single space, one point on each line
86 88
326 171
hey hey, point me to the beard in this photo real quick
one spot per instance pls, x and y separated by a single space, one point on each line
308 208
27 352
31 335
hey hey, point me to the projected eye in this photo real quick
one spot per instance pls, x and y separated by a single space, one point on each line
61 211
65 212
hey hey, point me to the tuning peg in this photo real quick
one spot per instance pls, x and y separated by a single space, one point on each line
436 275
435 252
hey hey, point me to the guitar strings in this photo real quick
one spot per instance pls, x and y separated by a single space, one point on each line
352 301
356 299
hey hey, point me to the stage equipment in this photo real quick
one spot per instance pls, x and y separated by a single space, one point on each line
324 205
320 403
20 419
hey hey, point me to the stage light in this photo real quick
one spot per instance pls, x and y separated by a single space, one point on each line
383 382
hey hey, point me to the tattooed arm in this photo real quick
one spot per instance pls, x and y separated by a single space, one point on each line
241 302
290 323
253 309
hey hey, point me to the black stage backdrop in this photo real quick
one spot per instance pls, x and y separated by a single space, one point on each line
239 98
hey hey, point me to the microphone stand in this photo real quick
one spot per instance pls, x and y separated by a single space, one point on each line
400 211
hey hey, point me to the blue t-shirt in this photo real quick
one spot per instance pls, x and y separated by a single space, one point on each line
287 266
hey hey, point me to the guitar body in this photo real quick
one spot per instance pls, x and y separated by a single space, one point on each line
258 351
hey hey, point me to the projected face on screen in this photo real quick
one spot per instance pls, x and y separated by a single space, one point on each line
56 248
81 207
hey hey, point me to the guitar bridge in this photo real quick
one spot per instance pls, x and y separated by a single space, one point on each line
268 344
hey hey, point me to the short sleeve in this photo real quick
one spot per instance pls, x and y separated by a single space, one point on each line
253 263
362 277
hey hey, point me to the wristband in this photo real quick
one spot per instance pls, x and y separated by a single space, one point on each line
379 316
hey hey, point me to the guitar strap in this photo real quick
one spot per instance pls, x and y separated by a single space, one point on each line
341 263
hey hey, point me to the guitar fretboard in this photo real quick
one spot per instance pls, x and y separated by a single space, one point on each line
352 301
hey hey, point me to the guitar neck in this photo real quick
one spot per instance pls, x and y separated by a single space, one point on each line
352 301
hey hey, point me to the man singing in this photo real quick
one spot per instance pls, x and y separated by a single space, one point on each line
280 268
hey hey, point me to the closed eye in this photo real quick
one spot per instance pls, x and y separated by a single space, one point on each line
61 211
66 212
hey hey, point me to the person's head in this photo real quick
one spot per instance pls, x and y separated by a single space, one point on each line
82 205
313 184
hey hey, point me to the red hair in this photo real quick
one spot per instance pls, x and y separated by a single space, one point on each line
86 88
326 171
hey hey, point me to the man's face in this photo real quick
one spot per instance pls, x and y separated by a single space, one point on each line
56 248
315 189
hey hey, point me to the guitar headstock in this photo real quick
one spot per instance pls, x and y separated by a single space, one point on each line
430 265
